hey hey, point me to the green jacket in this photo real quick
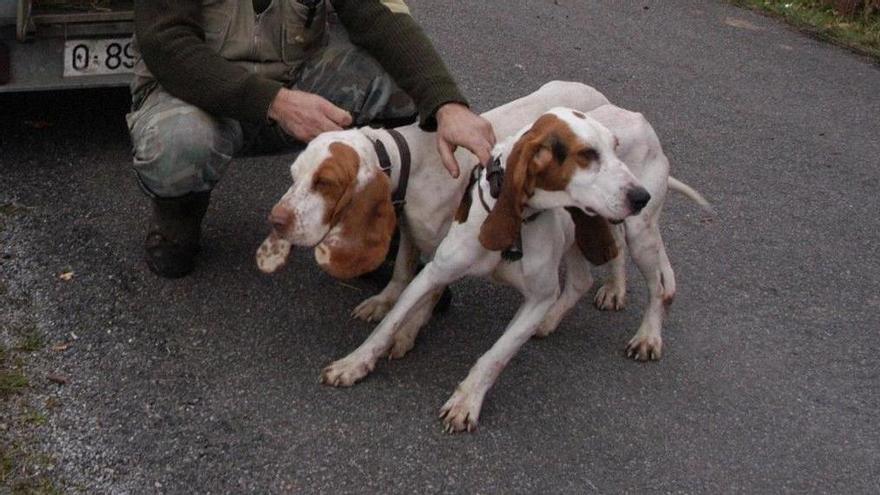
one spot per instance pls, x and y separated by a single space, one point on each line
221 56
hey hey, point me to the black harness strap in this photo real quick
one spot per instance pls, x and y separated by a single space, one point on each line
398 198
384 159
478 170
495 178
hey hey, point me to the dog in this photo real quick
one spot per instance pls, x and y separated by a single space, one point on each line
518 233
640 149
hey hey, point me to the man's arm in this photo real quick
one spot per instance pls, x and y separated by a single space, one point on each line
173 45
386 30
397 42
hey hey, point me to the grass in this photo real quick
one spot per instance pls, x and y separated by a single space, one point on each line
7 465
22 467
34 418
11 382
31 340
860 32
19 478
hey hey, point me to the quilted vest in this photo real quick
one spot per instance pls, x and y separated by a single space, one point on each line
273 43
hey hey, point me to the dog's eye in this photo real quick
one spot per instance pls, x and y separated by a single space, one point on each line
590 155
321 183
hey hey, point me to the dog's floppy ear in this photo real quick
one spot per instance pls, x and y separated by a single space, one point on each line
531 154
363 224
593 236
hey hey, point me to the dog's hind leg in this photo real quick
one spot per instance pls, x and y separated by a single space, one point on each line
649 254
612 294
578 281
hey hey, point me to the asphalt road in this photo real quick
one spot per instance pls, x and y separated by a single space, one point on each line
769 381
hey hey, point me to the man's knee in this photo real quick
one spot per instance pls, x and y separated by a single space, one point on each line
182 149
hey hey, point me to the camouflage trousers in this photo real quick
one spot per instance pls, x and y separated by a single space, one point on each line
179 148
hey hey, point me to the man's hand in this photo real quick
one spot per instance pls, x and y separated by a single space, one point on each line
305 115
458 126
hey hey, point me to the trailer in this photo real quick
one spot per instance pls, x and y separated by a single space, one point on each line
65 44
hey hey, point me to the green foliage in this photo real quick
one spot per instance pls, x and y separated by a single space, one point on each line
31 340
16 472
11 382
860 32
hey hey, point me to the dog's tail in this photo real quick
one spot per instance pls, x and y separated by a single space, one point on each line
682 188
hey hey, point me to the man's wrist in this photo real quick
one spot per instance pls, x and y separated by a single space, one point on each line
273 114
446 108
428 121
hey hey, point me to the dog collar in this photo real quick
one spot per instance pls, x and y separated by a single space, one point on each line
495 178
398 198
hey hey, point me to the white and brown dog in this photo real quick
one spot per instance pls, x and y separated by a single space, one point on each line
565 159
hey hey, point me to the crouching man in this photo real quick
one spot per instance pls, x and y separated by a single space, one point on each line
215 79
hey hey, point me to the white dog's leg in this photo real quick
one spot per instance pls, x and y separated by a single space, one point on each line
376 307
578 281
421 291
462 411
650 256
612 294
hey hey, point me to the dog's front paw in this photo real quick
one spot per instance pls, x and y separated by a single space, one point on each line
373 309
645 348
346 372
610 297
460 413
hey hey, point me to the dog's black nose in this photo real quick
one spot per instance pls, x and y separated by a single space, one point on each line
638 197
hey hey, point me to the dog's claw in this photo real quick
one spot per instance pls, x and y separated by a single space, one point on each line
610 297
460 413
373 309
345 372
645 348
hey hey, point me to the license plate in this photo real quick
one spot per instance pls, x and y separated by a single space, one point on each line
97 57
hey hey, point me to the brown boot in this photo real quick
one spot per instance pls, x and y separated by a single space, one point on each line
173 237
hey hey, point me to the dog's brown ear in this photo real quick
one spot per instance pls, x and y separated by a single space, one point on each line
593 236
533 152
362 229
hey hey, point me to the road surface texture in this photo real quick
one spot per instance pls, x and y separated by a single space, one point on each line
768 383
